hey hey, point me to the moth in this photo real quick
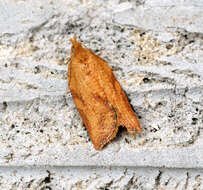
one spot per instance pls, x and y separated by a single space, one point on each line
98 96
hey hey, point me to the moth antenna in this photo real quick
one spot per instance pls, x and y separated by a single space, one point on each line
75 43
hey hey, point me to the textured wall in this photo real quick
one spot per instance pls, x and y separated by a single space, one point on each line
156 50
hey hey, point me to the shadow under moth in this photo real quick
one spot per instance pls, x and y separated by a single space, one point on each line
98 96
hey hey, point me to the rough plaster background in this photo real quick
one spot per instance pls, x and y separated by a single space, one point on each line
156 50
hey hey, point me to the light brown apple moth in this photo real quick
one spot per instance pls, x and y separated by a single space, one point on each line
98 96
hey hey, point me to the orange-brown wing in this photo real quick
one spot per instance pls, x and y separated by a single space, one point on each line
99 119
115 95
97 113
98 96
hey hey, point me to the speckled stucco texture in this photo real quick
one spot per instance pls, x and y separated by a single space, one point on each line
156 51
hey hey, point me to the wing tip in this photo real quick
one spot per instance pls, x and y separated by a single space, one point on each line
134 128
100 146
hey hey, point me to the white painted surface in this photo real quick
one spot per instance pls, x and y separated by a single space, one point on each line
156 49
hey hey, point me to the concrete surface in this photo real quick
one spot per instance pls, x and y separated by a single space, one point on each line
156 50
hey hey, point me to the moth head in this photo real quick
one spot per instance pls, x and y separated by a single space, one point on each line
77 51
75 45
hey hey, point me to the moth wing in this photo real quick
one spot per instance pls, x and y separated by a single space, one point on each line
69 74
115 94
99 118
97 113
